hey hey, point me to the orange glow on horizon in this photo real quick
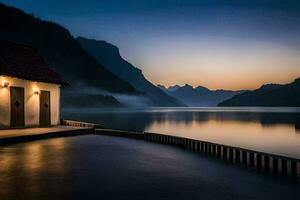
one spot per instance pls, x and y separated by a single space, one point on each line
228 83
217 63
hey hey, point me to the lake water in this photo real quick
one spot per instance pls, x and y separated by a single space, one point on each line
272 130
103 167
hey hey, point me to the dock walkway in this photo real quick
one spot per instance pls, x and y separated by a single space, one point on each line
68 128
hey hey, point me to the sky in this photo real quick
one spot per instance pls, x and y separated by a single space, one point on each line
228 44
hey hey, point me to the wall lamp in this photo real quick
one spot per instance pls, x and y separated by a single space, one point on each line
4 84
36 92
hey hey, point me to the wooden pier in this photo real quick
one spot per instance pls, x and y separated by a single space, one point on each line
275 164
67 128
265 162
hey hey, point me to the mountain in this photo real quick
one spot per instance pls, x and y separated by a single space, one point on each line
110 57
199 96
268 95
60 50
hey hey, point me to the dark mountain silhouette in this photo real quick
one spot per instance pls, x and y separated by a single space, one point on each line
199 96
110 57
60 50
268 95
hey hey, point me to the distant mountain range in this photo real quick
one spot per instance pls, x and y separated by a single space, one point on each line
109 55
199 96
99 76
268 95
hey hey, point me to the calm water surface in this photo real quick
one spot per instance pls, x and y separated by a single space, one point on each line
103 167
273 130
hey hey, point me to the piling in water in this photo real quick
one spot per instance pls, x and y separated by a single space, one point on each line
266 163
284 170
244 157
224 152
251 159
231 154
237 156
275 165
258 160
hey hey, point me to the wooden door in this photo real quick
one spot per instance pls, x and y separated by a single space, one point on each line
17 118
45 116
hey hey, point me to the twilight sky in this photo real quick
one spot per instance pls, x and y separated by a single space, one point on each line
230 44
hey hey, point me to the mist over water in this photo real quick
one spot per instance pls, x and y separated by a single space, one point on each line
129 100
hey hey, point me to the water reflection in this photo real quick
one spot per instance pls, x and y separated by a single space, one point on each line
23 164
275 130
140 120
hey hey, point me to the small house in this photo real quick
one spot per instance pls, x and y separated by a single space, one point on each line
29 89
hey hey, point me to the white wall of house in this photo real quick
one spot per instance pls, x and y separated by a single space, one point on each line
31 101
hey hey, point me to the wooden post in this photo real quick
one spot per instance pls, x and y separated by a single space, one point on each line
196 145
294 169
224 152
230 154
202 147
258 161
237 155
275 165
244 157
206 148
284 170
266 163
251 159
219 151
214 150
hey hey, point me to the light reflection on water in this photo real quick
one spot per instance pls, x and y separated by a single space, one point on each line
273 130
29 161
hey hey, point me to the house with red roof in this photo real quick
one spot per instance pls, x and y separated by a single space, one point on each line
29 88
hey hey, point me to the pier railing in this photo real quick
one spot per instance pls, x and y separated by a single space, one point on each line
119 133
276 164
66 122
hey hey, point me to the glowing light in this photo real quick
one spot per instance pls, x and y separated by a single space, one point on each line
4 84
35 89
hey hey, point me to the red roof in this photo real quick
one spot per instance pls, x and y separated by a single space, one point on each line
24 62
